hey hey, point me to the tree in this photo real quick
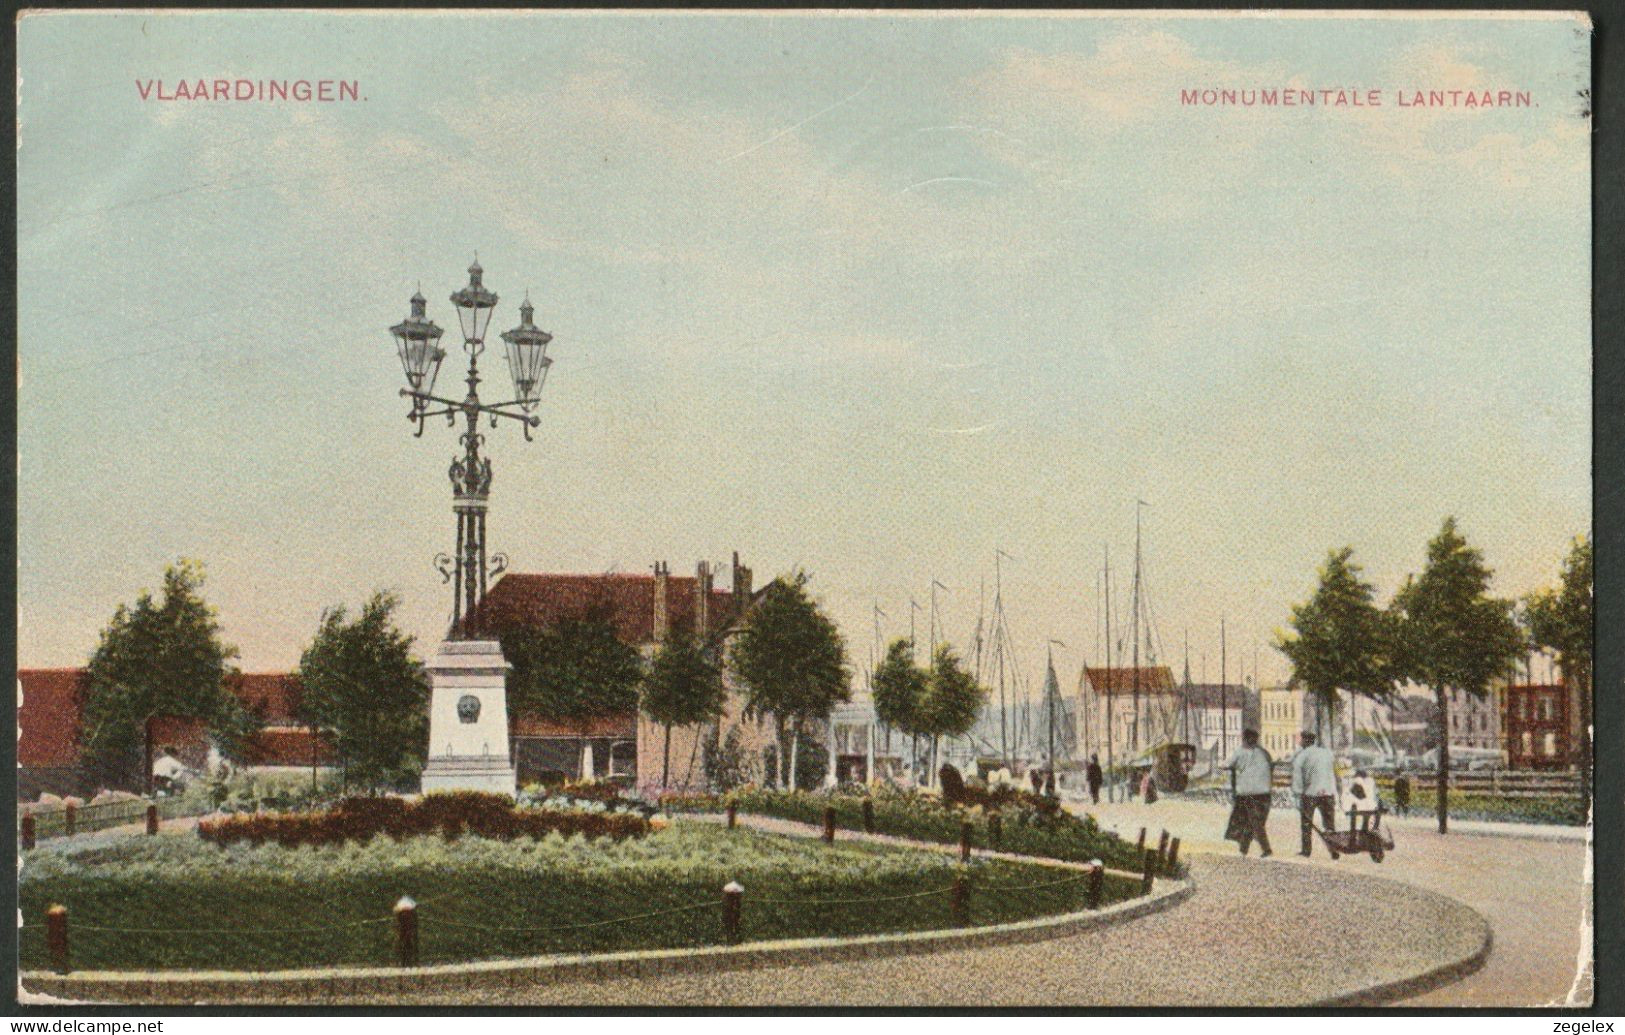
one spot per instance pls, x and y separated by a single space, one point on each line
1561 620
683 687
900 688
1340 639
572 672
791 660
362 684
953 699
1452 636
158 657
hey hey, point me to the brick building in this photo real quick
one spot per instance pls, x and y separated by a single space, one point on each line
1537 724
50 729
644 610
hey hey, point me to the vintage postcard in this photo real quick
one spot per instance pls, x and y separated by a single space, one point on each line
1035 509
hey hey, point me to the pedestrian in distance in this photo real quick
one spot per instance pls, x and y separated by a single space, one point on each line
1402 794
1250 770
1148 788
1095 778
1314 781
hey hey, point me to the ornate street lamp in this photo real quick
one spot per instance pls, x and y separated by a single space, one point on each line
417 340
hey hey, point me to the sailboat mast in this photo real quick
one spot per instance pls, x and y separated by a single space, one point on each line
1111 730
998 653
1224 697
1134 722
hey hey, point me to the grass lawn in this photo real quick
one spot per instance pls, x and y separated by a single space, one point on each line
175 902
1067 836
1564 811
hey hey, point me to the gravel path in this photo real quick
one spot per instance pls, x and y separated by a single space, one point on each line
1535 891
1255 934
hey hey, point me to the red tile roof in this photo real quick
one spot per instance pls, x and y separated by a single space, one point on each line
273 696
289 746
605 726
1155 679
627 600
48 717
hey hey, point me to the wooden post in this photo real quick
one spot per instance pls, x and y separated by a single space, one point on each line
152 819
70 813
964 840
961 900
1141 846
733 815
1162 852
1148 870
1173 856
733 901
406 932
995 829
56 937
868 815
829 824
28 830
1097 881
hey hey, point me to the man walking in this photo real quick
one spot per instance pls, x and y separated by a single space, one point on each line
1250 770
1095 778
1314 781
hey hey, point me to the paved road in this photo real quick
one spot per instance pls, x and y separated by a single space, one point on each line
1255 934
1536 893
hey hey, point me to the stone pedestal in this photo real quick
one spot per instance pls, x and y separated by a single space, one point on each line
468 719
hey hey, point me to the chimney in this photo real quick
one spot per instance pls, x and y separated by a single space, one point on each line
741 585
662 616
702 600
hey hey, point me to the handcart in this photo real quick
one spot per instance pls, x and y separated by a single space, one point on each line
1366 833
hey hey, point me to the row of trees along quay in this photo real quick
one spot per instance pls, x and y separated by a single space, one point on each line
926 703
1442 630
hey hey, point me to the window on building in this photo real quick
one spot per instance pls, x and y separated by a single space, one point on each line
1548 746
1528 741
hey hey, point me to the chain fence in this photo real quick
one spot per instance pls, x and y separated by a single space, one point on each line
501 917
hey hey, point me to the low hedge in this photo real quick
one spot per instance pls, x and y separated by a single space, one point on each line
450 815
1041 829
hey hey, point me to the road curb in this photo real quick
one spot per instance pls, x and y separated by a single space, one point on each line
1387 992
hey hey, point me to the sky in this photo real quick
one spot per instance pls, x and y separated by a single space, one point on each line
871 296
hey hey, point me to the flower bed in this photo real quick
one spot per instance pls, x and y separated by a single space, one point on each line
451 815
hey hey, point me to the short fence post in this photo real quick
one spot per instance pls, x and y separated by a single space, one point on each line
406 932
56 937
964 840
152 819
995 829
868 816
961 900
733 815
1148 870
1141 846
1097 880
70 813
829 824
733 900
1162 851
1173 856
28 830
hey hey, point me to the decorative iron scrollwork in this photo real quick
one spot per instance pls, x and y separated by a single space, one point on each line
442 564
499 564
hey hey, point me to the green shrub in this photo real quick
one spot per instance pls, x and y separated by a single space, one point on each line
451 815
